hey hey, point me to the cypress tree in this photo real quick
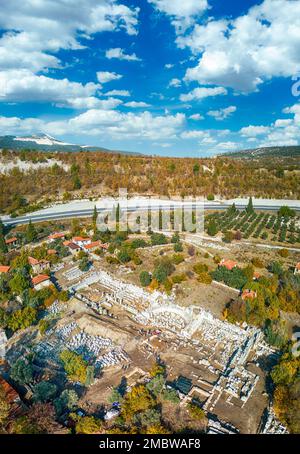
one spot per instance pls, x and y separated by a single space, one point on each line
250 208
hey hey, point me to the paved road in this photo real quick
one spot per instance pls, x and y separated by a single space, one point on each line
89 212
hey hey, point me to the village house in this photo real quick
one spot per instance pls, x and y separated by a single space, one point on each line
248 294
11 242
38 265
229 264
56 236
41 281
95 245
73 248
51 252
81 241
4 269
297 268
256 276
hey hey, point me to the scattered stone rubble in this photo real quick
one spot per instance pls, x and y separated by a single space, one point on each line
272 425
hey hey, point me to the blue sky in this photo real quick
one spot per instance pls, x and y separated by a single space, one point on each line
168 77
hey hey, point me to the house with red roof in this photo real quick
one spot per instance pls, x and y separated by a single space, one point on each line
11 242
56 236
297 268
229 264
51 252
81 241
73 248
41 281
95 245
38 265
248 294
4 269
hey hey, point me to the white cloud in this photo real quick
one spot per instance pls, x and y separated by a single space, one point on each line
222 114
103 123
37 28
203 92
253 131
121 93
169 66
106 76
119 53
196 117
227 146
24 86
194 134
175 83
136 104
243 52
284 131
182 12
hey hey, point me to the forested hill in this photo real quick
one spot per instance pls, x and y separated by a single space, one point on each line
29 177
276 152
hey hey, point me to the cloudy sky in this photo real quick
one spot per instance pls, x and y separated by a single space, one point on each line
168 77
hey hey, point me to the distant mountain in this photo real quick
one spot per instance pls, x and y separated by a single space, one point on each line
255 153
44 142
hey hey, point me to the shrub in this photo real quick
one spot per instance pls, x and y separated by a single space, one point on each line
178 247
283 253
145 278
256 261
158 238
200 268
177 259
204 278
178 278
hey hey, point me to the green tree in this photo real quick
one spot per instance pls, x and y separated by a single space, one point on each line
31 233
286 212
84 264
196 169
178 247
44 391
250 209
67 401
22 372
212 228
3 246
19 283
94 219
74 365
87 424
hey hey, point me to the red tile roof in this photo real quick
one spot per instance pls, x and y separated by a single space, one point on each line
229 264
11 240
4 269
51 252
67 242
32 261
40 278
56 236
298 266
80 238
256 275
73 245
251 294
